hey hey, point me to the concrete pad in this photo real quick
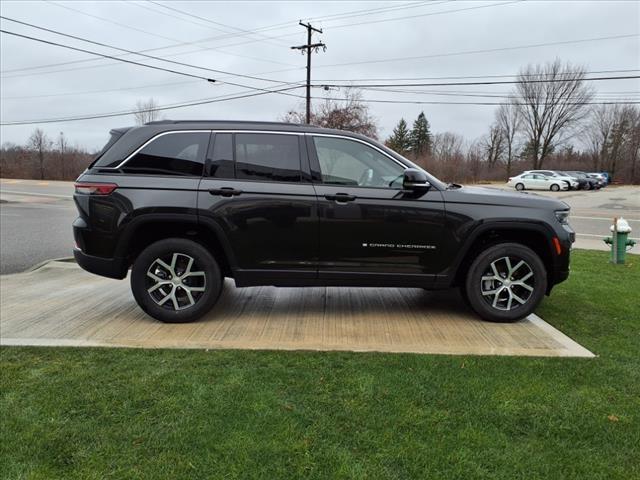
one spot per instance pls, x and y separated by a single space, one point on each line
58 304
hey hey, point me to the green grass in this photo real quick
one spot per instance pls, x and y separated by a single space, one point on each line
116 413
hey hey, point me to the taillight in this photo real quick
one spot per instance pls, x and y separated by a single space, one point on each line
87 188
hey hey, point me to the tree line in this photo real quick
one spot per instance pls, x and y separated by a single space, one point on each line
44 158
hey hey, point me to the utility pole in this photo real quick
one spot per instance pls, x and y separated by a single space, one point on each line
309 47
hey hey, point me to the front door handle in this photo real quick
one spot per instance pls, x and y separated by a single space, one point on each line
341 197
225 192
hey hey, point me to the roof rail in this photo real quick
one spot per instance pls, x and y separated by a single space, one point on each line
248 122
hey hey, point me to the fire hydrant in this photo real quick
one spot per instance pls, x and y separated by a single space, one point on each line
618 240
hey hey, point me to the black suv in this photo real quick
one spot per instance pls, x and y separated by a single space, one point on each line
187 203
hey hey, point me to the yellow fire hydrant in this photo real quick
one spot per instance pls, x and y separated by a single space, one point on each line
618 240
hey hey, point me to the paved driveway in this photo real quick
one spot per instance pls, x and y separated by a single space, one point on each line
60 304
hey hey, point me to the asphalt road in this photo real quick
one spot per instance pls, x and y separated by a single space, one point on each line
36 217
35 223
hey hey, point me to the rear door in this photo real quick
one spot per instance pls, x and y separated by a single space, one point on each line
258 194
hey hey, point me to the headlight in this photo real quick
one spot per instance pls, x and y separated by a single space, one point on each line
562 216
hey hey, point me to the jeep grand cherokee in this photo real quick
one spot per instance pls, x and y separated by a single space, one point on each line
185 204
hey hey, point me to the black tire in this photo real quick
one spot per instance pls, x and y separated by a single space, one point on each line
554 188
205 279
519 186
481 267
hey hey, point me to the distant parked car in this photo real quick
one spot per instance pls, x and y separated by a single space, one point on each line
602 180
572 183
585 180
537 181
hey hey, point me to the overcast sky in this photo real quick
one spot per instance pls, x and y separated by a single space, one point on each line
364 40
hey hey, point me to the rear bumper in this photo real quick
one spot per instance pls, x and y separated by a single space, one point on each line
106 267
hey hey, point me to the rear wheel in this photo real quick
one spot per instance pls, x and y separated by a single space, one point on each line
520 186
506 282
176 280
555 187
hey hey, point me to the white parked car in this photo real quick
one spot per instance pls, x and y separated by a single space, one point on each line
571 181
537 181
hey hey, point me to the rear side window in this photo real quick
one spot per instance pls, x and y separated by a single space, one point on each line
267 157
114 136
180 153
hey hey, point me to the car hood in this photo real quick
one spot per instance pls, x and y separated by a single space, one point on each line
498 196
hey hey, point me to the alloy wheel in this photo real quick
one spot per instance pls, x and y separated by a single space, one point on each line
175 282
507 283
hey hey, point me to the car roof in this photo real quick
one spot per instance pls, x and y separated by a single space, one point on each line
240 125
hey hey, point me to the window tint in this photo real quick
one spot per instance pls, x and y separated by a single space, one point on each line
269 157
171 154
221 165
347 162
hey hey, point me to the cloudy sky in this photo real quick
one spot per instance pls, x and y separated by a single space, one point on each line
244 46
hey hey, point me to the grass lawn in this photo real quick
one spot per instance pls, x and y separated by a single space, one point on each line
116 413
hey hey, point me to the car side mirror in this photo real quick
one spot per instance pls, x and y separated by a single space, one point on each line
415 180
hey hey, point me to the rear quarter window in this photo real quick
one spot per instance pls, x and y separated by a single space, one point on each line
179 153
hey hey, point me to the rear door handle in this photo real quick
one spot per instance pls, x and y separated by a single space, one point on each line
225 191
341 197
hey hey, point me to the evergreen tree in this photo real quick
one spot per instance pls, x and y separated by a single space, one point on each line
421 136
400 140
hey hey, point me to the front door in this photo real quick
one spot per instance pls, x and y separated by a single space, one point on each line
370 228
256 193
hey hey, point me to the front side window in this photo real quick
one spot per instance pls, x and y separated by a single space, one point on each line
180 153
267 157
347 162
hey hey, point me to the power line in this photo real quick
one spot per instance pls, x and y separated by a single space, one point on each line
396 79
477 7
421 102
490 82
152 57
614 96
88 92
267 28
490 50
160 108
104 55
241 30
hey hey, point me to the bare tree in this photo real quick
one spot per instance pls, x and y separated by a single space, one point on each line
348 113
508 121
39 143
146 111
493 145
634 145
552 99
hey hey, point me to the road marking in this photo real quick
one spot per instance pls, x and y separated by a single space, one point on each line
36 194
43 183
599 236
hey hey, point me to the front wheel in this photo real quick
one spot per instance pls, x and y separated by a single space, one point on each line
555 188
519 186
176 280
506 282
